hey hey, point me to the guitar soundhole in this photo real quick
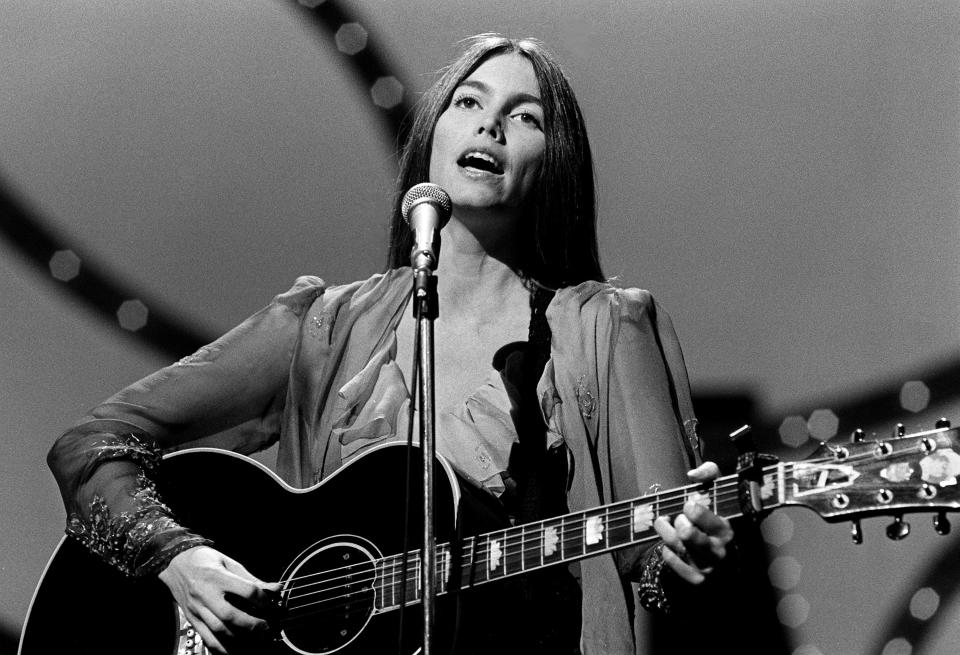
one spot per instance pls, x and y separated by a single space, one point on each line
327 596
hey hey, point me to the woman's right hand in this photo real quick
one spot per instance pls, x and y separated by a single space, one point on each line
223 601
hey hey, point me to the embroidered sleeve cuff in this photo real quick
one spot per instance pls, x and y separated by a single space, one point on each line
137 542
654 586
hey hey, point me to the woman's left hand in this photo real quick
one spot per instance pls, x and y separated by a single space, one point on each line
697 538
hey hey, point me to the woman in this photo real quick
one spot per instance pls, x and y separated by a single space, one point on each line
585 401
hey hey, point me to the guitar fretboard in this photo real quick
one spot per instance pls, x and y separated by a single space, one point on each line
525 548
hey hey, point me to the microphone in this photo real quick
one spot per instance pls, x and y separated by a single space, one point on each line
426 209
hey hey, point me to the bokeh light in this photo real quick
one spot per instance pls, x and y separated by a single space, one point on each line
914 396
387 92
793 610
64 265
132 315
924 603
898 646
793 431
777 529
785 572
823 424
351 38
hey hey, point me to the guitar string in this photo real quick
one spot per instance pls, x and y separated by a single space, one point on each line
667 504
529 542
528 537
721 496
533 534
345 599
721 484
664 501
613 517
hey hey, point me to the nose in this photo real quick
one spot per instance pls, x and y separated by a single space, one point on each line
491 125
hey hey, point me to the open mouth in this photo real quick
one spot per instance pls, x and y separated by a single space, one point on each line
481 161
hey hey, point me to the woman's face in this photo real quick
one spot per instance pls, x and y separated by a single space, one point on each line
488 144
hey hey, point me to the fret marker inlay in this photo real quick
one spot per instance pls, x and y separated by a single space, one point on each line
594 530
642 518
769 486
550 541
700 499
495 554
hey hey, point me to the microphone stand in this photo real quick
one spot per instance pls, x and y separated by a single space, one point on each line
425 310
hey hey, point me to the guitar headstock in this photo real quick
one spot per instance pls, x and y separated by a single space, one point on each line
875 476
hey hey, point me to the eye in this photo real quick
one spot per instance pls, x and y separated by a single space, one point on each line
529 119
465 101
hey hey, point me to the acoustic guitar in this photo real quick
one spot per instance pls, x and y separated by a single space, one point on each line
337 548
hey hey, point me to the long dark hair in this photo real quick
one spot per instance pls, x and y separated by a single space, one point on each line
560 243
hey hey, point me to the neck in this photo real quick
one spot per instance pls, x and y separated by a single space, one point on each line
477 269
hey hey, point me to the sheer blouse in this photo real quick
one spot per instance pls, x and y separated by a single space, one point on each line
315 370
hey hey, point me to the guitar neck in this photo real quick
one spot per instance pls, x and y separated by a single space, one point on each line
859 479
526 548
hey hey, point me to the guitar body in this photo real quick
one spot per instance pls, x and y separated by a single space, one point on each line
82 605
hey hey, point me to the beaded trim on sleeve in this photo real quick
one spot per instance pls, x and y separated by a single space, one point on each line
137 542
125 541
128 446
652 595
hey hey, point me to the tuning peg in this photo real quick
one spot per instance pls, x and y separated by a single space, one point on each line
942 423
941 523
899 430
857 436
898 529
856 533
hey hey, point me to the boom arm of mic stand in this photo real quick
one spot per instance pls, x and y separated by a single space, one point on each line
425 310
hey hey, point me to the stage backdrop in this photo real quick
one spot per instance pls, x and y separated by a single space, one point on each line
782 175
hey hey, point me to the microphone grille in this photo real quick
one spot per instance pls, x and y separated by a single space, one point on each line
426 192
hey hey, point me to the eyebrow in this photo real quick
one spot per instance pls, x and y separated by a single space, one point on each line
485 88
